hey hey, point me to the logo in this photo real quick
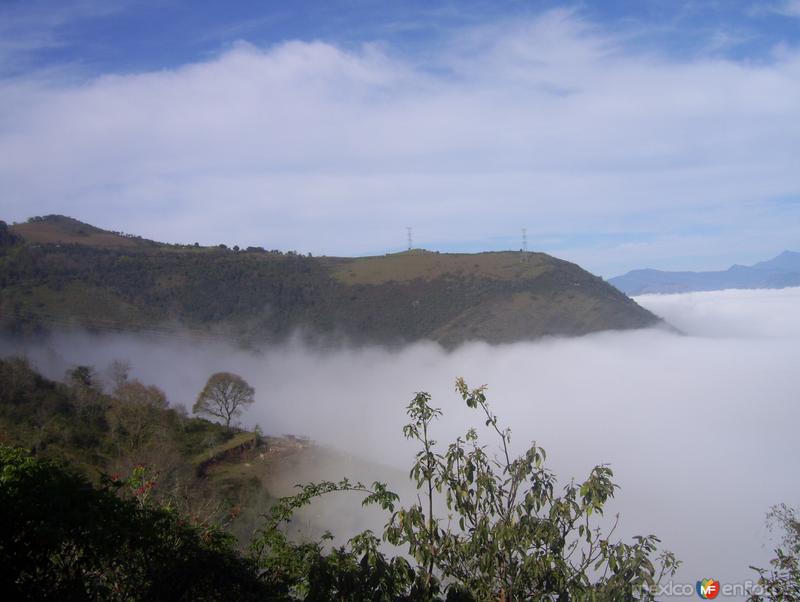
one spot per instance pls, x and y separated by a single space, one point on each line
707 589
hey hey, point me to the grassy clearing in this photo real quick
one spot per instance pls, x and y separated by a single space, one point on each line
64 230
232 443
403 267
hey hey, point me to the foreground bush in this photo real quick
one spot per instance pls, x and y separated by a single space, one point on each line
782 580
510 533
62 539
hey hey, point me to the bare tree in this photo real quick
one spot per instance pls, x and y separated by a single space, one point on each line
136 420
118 372
224 396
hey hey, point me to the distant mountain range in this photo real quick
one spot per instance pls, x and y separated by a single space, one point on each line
58 272
779 272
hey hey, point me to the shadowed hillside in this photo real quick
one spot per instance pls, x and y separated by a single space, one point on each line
60 272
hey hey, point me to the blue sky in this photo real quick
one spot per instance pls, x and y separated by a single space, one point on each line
126 36
620 134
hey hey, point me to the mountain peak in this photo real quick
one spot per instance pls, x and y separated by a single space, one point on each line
779 272
786 261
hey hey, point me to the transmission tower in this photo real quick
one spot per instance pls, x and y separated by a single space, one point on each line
408 230
524 244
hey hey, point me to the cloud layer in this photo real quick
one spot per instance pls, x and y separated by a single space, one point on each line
734 314
700 428
610 155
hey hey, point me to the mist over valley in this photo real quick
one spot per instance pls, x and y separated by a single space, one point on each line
690 422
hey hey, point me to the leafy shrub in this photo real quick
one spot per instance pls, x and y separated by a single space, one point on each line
509 534
782 580
60 538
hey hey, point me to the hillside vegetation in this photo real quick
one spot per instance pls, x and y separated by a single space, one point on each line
101 428
56 271
150 530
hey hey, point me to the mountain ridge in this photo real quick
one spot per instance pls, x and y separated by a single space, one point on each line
60 271
781 271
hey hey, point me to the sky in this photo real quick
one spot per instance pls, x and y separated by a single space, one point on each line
621 135
700 428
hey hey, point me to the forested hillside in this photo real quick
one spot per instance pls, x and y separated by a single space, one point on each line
55 271
115 427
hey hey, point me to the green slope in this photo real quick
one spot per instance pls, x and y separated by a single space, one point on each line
57 271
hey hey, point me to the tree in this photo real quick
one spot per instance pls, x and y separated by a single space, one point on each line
81 376
87 394
6 237
782 581
134 392
139 415
224 396
510 533
119 371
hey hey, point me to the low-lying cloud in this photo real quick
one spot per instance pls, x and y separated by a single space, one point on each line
700 428
749 313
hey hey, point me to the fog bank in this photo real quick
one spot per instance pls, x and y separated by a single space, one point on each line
749 313
700 428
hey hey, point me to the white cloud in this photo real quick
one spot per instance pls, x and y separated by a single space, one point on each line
550 123
755 313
